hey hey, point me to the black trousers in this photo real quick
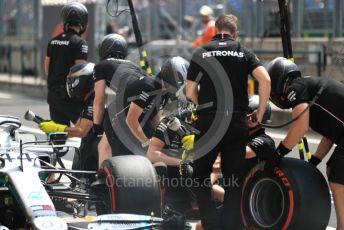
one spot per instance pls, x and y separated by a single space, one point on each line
64 110
117 147
336 163
86 157
120 137
176 193
232 148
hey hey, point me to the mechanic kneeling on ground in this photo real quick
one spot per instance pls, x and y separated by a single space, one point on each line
260 146
325 116
166 144
64 51
238 63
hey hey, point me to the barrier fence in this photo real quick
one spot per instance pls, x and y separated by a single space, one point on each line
19 60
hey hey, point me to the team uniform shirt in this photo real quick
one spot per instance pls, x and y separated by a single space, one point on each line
326 116
63 50
238 62
117 73
173 141
131 84
261 144
146 93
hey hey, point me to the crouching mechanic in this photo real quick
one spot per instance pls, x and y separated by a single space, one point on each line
79 85
166 143
174 69
317 103
260 146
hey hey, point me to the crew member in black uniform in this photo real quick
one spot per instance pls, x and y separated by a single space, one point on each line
80 85
131 118
238 62
164 139
115 72
166 144
325 116
63 51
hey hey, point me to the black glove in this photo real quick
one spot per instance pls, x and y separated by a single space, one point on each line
97 130
185 169
314 160
275 159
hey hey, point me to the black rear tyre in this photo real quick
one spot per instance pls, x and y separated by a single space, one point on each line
133 186
294 196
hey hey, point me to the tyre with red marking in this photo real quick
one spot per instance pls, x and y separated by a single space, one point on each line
132 187
294 196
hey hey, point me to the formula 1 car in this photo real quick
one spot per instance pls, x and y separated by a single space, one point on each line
128 195
24 202
26 199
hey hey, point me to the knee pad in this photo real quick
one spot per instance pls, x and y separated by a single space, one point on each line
336 165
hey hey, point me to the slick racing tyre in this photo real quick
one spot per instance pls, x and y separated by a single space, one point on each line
294 196
133 187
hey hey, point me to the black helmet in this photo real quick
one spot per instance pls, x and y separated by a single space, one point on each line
281 71
173 72
74 14
79 80
113 45
253 103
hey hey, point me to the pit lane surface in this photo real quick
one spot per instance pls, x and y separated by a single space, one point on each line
16 105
